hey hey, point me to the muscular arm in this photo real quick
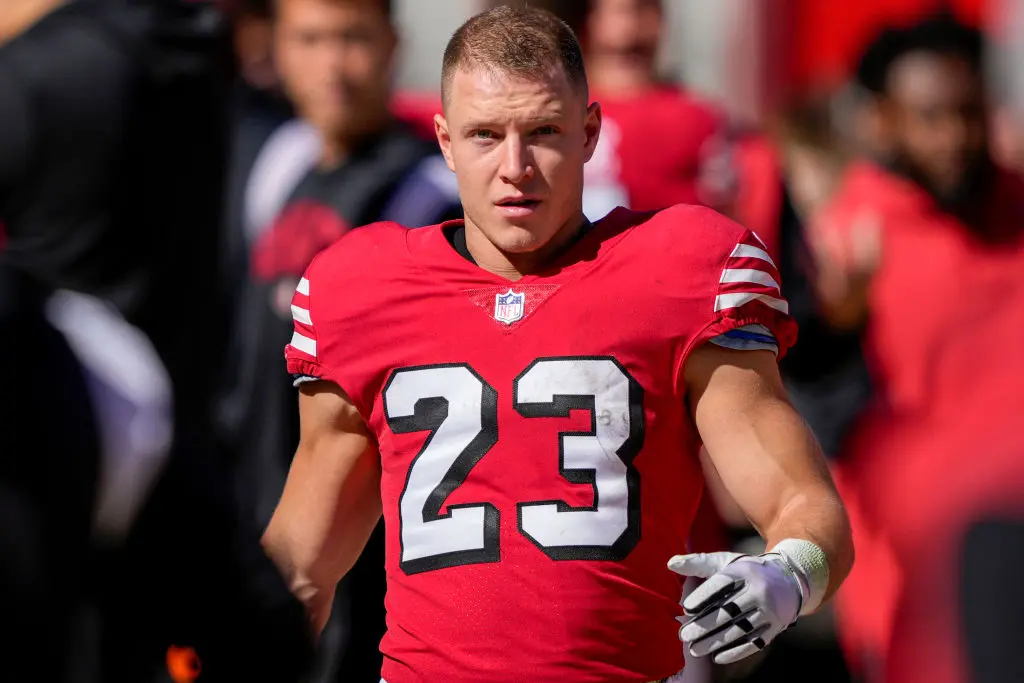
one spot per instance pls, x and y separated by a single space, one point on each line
331 500
768 460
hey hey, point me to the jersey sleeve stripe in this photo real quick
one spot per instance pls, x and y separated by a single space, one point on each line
734 275
301 315
304 344
754 332
728 341
748 251
303 287
726 301
760 242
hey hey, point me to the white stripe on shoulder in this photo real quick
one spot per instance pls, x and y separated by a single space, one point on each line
301 315
724 301
759 240
747 251
303 287
733 275
304 344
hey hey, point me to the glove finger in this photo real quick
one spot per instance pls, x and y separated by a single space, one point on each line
700 565
753 643
734 632
709 621
718 588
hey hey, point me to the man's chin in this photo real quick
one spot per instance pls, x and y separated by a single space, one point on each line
519 238
967 189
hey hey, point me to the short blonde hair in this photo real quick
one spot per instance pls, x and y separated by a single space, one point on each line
523 41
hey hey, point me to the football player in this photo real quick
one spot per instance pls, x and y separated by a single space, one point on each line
522 395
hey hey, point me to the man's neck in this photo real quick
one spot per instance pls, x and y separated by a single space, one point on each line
615 75
516 266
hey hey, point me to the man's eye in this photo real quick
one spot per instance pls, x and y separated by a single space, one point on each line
483 135
545 130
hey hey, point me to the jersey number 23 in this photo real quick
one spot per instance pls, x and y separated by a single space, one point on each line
459 409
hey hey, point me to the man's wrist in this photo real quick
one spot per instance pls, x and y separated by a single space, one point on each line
809 565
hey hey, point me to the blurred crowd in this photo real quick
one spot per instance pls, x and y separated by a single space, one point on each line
169 168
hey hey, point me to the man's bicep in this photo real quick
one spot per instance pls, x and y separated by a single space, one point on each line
335 475
326 413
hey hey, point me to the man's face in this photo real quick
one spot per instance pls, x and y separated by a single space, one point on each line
254 50
517 147
626 29
936 119
335 59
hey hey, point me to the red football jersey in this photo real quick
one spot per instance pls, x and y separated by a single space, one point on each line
657 149
539 461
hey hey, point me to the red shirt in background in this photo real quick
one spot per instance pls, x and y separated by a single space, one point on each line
940 444
657 149
758 204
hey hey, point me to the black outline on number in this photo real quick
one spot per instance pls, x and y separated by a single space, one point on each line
428 415
561 407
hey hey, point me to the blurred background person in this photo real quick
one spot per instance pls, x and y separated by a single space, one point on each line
84 129
270 149
335 59
919 251
111 183
825 374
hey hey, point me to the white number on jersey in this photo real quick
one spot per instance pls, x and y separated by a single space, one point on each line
459 409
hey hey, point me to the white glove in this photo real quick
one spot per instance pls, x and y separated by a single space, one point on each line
745 602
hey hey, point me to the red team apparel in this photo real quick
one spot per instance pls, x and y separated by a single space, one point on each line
657 149
539 465
939 447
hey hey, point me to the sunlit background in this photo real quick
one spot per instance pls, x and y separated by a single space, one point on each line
166 176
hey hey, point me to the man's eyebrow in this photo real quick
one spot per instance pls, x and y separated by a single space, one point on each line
529 119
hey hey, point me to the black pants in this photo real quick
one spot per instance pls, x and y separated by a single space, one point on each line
992 600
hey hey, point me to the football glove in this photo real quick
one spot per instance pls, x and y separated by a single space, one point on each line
746 600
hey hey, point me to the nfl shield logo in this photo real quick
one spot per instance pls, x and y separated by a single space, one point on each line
508 307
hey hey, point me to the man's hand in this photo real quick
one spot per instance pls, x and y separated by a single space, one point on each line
745 602
846 264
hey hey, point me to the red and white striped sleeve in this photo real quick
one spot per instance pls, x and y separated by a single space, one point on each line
749 302
301 351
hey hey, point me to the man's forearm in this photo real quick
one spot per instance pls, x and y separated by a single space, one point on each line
806 504
770 461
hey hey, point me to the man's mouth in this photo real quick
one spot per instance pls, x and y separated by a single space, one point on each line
519 202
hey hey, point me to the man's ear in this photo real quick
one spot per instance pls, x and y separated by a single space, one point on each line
444 139
592 128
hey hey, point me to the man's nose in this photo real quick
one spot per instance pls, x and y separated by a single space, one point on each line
516 161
